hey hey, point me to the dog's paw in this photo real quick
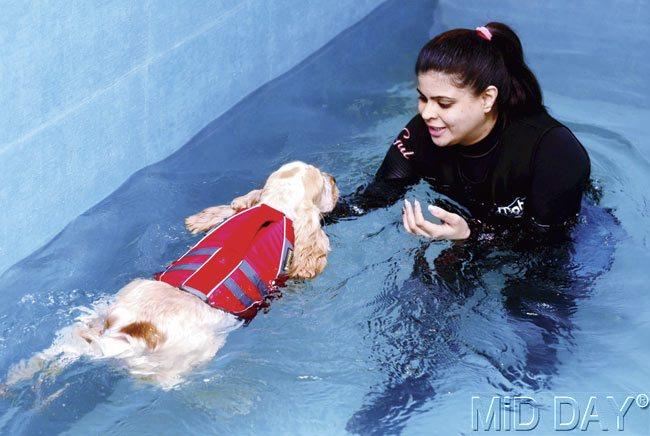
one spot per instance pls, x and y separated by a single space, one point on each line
208 218
247 201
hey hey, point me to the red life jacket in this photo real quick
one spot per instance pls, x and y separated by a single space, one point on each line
238 263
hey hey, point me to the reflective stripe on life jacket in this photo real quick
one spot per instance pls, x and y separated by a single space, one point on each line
238 263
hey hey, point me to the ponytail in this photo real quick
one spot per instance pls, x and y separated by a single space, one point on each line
490 55
524 94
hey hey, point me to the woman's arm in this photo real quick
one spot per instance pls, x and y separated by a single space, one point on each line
561 170
391 181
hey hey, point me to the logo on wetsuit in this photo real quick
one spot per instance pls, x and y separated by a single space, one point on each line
514 209
404 134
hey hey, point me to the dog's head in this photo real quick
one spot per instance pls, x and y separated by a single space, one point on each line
297 186
303 193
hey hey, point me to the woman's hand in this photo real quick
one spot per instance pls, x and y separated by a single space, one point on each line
453 226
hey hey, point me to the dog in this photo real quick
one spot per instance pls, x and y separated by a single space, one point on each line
161 331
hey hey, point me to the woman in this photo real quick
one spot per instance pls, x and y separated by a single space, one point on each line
483 138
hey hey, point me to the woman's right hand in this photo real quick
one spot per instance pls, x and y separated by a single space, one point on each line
453 226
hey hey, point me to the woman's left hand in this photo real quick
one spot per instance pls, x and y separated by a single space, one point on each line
453 226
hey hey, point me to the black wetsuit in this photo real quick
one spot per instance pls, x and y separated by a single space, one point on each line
530 171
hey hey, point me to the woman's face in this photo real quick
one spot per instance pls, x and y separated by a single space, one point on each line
454 115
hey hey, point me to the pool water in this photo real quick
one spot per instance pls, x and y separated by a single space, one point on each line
398 334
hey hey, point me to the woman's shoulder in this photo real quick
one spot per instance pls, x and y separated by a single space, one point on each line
544 133
540 144
558 139
561 149
537 123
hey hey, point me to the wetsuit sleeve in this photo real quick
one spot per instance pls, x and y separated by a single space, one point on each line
561 170
398 162
391 181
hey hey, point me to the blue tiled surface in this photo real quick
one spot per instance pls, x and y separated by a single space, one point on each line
94 91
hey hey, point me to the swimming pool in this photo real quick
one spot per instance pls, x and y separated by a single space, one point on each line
396 335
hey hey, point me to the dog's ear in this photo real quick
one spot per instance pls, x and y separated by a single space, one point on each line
311 245
246 201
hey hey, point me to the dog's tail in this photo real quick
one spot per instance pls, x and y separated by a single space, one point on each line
96 334
110 336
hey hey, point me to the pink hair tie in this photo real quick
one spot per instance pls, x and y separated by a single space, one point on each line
484 33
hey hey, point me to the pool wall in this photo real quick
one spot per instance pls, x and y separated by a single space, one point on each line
94 91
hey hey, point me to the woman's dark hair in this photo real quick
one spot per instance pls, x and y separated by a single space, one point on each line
478 63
